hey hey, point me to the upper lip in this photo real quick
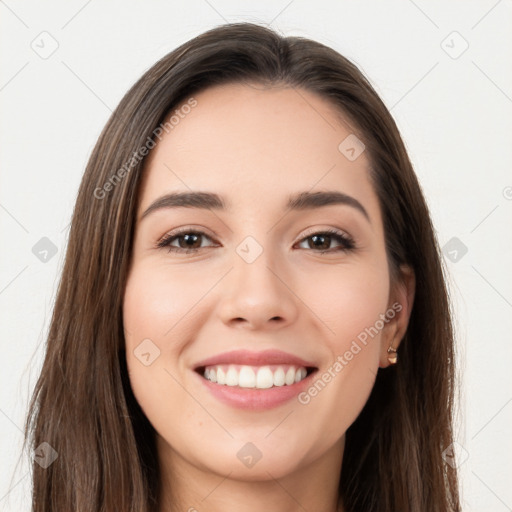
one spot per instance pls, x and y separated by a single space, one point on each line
262 358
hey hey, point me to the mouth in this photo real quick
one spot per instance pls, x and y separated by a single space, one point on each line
255 377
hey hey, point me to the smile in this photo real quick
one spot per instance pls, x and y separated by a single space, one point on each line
262 377
253 398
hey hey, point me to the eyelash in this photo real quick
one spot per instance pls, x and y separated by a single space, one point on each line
347 243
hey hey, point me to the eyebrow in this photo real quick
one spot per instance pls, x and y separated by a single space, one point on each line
298 201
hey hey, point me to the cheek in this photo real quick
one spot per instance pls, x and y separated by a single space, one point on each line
350 306
347 301
152 311
157 304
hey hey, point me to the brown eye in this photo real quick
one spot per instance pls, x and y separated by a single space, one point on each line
322 241
188 241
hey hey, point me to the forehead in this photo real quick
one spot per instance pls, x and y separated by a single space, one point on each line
249 143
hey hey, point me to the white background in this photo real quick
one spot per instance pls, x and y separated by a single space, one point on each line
454 115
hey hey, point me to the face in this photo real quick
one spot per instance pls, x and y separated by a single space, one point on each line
294 299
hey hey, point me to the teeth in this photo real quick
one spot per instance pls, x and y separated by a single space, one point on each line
232 377
262 377
246 377
290 376
279 377
300 374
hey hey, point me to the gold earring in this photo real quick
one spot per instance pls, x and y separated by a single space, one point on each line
393 356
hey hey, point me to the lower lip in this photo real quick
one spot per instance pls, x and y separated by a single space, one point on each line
255 399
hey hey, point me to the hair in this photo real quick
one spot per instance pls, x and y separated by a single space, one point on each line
82 403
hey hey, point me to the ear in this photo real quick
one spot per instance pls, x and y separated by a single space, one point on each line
401 299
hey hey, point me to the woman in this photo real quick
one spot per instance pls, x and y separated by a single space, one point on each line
252 312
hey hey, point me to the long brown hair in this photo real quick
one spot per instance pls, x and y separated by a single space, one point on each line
82 404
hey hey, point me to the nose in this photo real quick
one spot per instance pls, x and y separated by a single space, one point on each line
258 295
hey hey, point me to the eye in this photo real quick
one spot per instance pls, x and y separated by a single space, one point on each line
189 241
322 239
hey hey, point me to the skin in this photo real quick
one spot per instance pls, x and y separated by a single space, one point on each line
255 146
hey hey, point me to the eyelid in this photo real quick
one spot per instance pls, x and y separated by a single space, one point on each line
184 230
204 231
316 230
